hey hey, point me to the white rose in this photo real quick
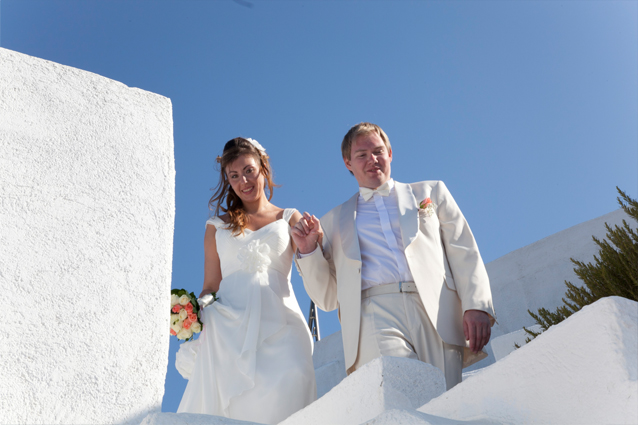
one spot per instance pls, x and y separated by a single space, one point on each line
196 327
174 299
177 326
183 315
184 299
174 318
184 334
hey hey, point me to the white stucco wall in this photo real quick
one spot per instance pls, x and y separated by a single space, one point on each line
86 233
329 363
534 276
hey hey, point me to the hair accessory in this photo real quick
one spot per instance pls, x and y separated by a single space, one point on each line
256 144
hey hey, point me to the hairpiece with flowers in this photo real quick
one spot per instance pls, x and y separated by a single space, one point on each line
257 145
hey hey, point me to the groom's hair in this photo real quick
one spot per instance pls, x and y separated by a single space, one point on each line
358 130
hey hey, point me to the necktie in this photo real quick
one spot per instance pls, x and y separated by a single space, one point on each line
366 193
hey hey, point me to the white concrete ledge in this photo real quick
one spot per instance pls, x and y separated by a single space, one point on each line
505 344
190 419
581 371
384 383
414 417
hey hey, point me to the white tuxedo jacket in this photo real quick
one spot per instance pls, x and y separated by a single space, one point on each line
441 253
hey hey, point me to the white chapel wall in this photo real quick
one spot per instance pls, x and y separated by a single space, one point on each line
87 205
534 276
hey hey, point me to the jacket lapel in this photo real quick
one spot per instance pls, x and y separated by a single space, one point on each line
409 212
348 229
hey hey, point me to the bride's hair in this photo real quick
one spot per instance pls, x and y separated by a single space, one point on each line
234 206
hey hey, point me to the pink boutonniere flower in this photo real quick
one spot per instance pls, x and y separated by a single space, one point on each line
427 207
424 203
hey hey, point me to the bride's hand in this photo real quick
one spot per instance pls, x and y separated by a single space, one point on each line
306 233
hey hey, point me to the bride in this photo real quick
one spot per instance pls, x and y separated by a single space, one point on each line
253 360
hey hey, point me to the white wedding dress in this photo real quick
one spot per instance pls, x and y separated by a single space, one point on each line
253 359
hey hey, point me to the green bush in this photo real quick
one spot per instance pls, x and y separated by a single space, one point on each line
614 272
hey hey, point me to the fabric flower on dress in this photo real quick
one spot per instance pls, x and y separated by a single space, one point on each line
254 257
427 207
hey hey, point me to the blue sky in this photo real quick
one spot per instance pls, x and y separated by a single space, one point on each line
528 110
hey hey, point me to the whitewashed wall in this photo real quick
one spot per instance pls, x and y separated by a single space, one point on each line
329 363
87 205
534 276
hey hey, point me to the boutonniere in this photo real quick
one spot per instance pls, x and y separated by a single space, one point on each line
426 207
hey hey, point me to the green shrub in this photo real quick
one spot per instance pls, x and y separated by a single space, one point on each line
614 272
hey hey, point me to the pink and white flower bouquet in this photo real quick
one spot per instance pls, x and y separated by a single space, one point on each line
185 314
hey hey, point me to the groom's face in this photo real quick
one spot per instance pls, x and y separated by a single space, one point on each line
369 160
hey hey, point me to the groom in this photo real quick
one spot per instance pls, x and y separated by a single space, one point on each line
400 263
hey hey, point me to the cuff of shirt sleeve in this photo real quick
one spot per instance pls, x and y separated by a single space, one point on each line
300 255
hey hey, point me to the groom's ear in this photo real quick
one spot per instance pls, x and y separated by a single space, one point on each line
346 161
348 164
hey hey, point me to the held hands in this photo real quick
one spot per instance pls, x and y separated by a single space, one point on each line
476 326
306 233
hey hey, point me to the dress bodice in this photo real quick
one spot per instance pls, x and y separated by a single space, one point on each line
268 247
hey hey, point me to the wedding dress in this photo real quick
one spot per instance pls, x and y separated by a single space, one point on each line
253 359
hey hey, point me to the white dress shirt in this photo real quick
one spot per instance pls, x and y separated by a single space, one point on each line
380 242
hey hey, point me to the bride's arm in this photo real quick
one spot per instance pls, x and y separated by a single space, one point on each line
294 219
212 266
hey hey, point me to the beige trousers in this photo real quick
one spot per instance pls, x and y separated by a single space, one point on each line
397 325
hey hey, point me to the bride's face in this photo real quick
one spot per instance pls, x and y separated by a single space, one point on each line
246 179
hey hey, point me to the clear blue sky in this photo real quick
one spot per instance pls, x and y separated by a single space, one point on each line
528 110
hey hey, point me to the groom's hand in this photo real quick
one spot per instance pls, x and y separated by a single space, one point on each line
476 326
306 233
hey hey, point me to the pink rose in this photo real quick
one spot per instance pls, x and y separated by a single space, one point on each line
192 317
173 332
187 324
176 308
424 203
189 307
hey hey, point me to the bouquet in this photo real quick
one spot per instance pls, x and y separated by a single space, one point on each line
185 313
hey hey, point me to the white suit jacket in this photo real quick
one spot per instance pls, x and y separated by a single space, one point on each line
440 250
